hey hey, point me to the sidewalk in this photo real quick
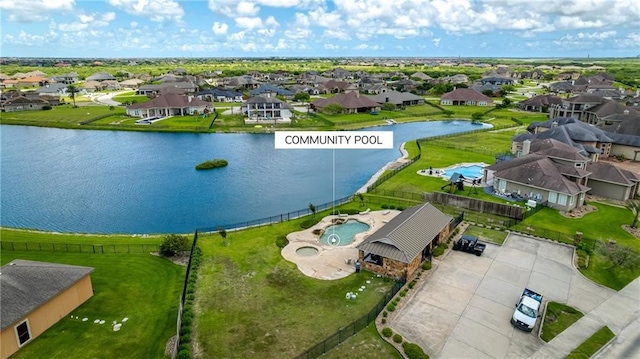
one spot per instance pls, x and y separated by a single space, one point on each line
620 312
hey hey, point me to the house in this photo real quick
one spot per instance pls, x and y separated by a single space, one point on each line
268 90
399 99
241 82
101 76
465 96
576 106
219 95
260 109
23 103
352 102
169 105
56 89
131 83
561 87
404 85
609 181
70 78
154 89
540 103
334 86
545 171
421 75
35 295
32 81
497 80
399 247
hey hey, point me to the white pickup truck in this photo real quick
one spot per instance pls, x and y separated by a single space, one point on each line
527 310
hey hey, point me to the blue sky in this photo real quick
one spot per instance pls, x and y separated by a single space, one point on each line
320 28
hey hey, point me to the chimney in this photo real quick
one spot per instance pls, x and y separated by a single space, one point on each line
386 99
554 124
625 112
526 147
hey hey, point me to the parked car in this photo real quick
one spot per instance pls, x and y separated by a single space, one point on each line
527 310
469 244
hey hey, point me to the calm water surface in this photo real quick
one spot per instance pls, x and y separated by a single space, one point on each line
136 182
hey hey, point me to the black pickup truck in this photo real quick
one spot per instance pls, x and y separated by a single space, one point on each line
469 244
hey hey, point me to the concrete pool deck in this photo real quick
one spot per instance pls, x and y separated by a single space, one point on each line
439 172
332 262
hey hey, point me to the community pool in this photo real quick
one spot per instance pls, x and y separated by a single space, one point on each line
342 234
468 171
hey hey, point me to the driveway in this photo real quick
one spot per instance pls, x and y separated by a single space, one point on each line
463 308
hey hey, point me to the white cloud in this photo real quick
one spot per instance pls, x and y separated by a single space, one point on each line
300 28
271 21
238 36
436 42
266 32
155 10
331 47
86 21
249 47
249 22
34 10
279 3
336 34
245 8
133 24
219 28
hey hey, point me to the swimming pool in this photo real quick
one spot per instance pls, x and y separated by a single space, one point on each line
342 234
471 171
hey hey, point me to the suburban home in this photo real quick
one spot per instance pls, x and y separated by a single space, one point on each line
36 295
561 87
546 171
24 103
540 103
241 82
101 76
33 81
465 96
155 89
268 90
269 110
399 99
352 102
169 105
497 80
421 75
91 86
334 86
399 247
609 181
219 95
70 78
131 83
56 89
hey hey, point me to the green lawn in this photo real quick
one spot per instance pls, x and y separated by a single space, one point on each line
58 116
144 288
486 234
592 345
250 300
19 235
558 318
366 341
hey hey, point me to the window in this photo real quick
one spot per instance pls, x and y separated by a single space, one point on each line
22 333
553 197
572 200
562 199
502 185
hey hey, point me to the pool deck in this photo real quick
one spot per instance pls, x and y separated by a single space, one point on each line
439 172
331 262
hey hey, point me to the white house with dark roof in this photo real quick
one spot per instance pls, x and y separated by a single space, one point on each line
34 296
399 247
268 110
169 105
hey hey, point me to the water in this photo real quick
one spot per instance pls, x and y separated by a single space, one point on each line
471 172
307 251
342 234
137 182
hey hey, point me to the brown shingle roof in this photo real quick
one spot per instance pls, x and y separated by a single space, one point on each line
607 172
465 94
170 101
350 100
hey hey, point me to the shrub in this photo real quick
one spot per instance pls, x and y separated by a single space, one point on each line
46 108
185 331
426 265
183 354
391 307
391 206
384 321
173 244
282 241
384 206
385 314
309 223
387 332
397 338
388 106
207 165
620 157
403 293
412 284
413 351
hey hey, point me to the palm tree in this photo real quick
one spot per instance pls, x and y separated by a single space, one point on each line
312 208
634 207
73 90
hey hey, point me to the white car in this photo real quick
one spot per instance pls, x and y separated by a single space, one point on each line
527 310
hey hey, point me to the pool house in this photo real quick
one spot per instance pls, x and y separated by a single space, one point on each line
399 247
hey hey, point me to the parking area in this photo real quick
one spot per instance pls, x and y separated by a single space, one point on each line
463 308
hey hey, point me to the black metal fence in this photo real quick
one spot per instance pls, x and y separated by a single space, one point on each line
351 329
78 247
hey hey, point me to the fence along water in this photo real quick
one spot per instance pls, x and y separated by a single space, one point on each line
78 248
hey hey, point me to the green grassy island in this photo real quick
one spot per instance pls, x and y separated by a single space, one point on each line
207 165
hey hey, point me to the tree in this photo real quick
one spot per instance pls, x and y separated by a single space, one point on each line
477 116
73 90
172 244
361 198
619 257
223 234
488 93
388 106
301 97
634 207
448 113
506 102
333 108
312 208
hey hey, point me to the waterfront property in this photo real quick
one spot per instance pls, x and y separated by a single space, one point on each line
169 105
35 295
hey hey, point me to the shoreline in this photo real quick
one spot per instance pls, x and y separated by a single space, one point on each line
388 166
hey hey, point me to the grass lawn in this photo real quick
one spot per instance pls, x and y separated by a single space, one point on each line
558 318
62 116
20 235
486 234
142 287
250 300
592 345
366 341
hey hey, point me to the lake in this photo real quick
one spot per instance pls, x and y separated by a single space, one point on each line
139 182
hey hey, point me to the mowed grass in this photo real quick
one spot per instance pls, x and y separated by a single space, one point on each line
558 318
486 234
144 288
590 346
250 302
367 342
21 235
62 116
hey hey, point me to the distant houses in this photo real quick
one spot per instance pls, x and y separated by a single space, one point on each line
465 97
351 102
169 105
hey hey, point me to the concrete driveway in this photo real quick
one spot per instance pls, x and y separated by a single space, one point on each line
463 308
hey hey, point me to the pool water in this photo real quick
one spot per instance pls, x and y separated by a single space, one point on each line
473 171
342 234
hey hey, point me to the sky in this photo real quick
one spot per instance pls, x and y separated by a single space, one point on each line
319 28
